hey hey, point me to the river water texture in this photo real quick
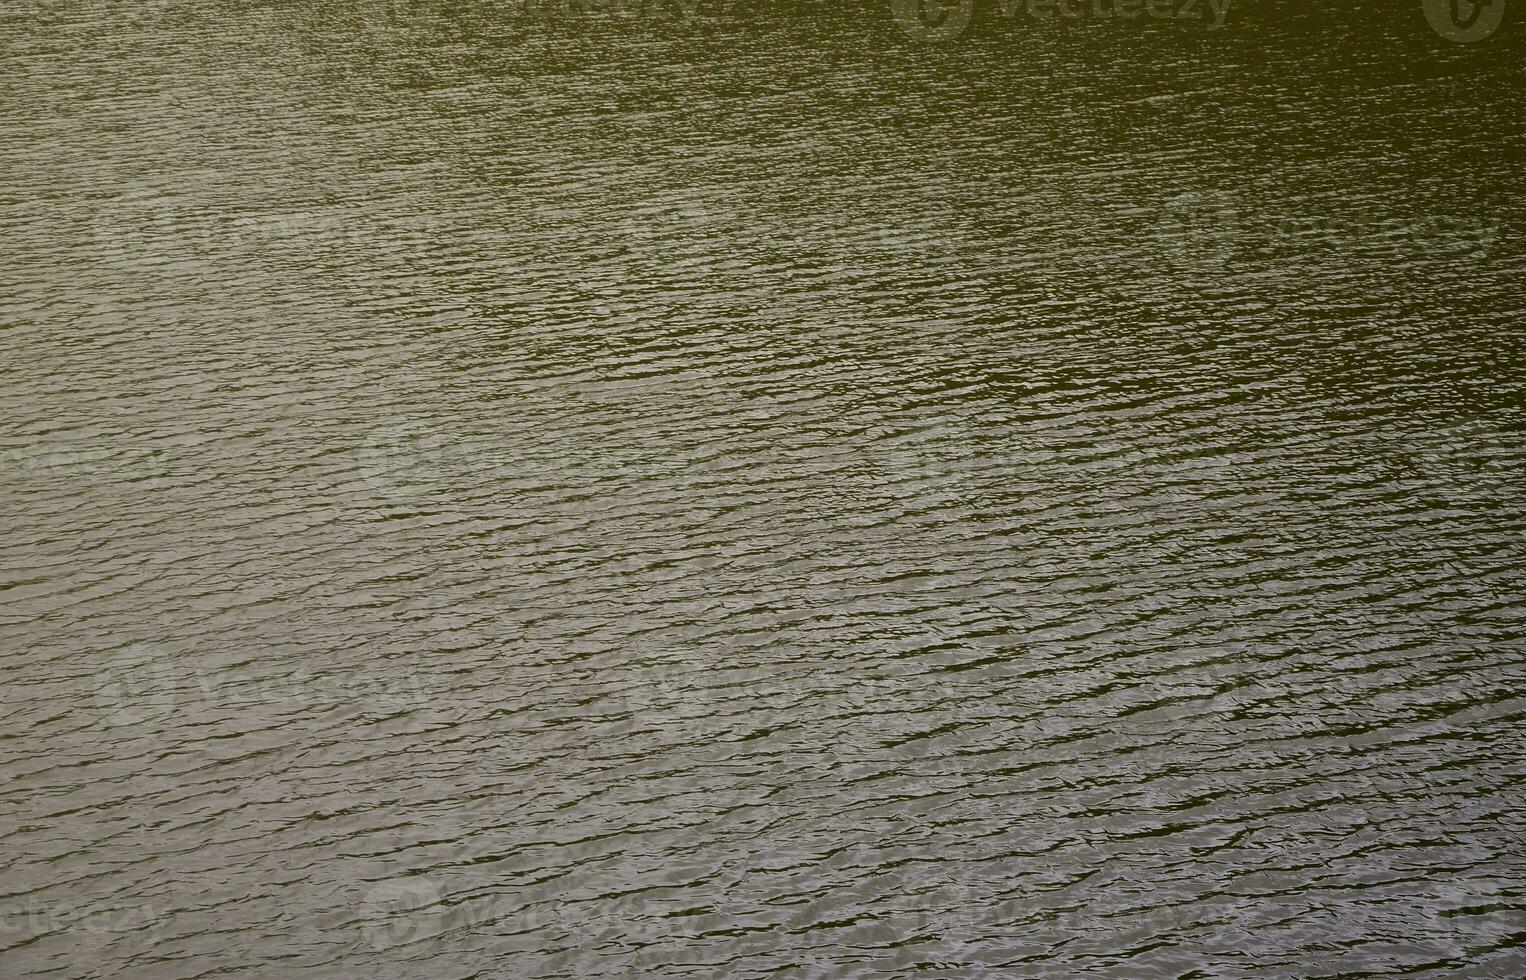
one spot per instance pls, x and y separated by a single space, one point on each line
502 491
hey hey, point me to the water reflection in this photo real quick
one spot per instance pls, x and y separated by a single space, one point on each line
523 490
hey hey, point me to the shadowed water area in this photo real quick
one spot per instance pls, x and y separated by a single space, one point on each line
502 494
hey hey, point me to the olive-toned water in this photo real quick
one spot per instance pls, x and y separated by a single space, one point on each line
492 493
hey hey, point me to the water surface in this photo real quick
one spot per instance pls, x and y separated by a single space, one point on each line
510 495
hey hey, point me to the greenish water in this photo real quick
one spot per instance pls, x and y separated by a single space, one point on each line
746 491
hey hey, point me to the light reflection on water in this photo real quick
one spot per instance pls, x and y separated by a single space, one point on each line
531 494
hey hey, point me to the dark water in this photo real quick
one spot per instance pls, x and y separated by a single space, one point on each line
508 495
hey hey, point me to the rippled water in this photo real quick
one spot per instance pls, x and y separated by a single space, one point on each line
513 494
